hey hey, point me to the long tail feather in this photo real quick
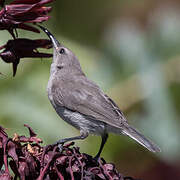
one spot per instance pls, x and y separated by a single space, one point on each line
137 136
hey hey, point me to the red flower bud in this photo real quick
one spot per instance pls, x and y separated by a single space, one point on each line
22 48
23 11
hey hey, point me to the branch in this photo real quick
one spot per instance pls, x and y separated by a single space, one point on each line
29 160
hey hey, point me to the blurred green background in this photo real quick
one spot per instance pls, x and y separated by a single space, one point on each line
132 50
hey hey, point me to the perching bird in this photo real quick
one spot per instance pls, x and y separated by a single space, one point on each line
82 103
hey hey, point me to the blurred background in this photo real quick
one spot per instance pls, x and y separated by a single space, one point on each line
131 49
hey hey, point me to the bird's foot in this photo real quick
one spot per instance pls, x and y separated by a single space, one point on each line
99 161
60 144
97 158
60 147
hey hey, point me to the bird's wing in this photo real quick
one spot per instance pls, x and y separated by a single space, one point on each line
84 96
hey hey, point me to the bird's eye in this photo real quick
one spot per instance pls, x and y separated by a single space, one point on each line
62 51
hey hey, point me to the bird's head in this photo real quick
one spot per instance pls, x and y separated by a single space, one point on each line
62 56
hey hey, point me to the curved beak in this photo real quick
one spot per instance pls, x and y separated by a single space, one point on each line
56 44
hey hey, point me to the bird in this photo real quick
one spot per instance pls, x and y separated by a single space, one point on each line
81 103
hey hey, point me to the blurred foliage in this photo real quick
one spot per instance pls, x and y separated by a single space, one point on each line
132 50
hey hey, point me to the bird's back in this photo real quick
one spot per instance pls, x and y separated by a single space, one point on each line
78 93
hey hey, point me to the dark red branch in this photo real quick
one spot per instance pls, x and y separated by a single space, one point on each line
29 160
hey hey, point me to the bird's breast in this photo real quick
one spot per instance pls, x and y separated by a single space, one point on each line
51 81
49 90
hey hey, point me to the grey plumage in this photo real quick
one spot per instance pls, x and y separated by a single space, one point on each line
81 103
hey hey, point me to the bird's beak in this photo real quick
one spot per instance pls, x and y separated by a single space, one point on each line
55 42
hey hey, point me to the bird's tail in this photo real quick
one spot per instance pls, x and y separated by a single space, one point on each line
137 136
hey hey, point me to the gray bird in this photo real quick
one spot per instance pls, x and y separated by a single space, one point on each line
81 103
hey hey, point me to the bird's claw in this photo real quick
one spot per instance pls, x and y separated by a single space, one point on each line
60 147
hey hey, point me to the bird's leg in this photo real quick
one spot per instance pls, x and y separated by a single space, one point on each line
83 135
104 139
